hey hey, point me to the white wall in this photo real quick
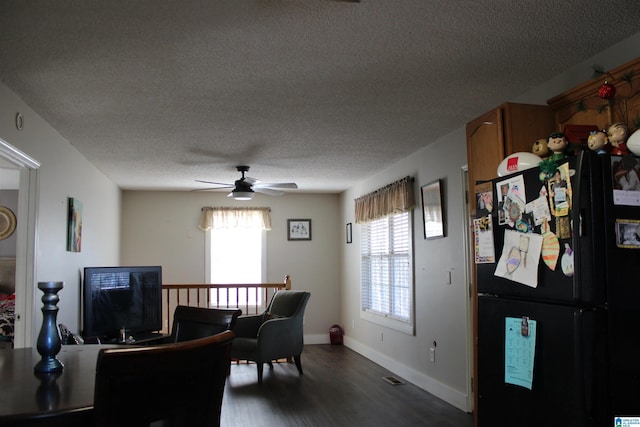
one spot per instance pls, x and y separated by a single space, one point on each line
160 228
440 308
63 173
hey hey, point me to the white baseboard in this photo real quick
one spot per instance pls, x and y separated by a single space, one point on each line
442 391
317 339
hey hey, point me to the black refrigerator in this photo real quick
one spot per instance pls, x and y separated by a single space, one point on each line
559 314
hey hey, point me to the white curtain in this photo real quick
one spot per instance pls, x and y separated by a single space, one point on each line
235 218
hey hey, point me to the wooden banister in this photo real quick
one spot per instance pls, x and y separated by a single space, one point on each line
218 295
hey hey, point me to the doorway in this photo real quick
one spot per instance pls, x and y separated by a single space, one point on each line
26 168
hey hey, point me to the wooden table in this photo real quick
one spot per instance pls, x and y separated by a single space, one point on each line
51 399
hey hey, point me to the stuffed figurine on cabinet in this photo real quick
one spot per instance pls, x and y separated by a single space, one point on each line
617 133
540 148
557 143
597 141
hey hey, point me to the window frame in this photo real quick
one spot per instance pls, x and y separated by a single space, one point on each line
387 319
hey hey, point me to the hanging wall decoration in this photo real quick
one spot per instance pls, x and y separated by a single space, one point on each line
432 210
298 229
74 226
7 222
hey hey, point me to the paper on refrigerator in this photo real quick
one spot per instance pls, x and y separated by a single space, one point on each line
520 257
520 351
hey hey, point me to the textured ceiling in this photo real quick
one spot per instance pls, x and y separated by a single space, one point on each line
157 94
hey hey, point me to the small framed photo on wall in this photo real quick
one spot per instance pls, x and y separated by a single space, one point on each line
298 229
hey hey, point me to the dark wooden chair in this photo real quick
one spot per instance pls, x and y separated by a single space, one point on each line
197 322
178 384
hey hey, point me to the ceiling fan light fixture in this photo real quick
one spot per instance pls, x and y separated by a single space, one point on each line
242 195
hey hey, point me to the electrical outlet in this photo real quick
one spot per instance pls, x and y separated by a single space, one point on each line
432 355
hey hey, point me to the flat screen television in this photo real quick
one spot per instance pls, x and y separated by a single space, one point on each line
121 297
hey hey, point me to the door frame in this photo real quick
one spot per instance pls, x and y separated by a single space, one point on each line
469 274
26 241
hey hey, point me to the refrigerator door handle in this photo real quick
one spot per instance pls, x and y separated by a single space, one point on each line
577 360
580 229
582 322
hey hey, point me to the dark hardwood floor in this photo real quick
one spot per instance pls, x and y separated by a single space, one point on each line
339 388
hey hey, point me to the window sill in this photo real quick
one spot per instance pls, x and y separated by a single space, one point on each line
389 322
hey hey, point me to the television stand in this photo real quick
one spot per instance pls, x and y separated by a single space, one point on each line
148 338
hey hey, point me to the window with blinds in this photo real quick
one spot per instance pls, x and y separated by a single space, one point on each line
387 271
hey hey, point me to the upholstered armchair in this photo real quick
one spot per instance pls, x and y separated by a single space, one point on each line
275 334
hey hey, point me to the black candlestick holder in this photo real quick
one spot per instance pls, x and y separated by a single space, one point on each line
49 343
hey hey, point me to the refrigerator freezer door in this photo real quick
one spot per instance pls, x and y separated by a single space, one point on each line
569 380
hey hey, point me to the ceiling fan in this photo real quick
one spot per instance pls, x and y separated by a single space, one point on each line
245 187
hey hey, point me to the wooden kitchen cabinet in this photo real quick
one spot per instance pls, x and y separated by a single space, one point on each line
507 129
582 105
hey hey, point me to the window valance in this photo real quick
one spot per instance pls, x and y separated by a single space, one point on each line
220 217
393 198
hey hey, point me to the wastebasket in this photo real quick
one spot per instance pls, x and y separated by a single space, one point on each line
335 335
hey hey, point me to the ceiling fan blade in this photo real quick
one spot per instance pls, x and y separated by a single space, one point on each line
223 184
283 185
209 189
251 181
220 185
268 191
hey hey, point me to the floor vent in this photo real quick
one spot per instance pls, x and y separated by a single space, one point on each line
392 380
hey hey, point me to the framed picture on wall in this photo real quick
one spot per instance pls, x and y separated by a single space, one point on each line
432 212
74 226
298 229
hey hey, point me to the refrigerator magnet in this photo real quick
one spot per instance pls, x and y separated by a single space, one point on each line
539 208
563 227
550 247
628 233
625 180
524 327
567 261
560 191
483 235
484 199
